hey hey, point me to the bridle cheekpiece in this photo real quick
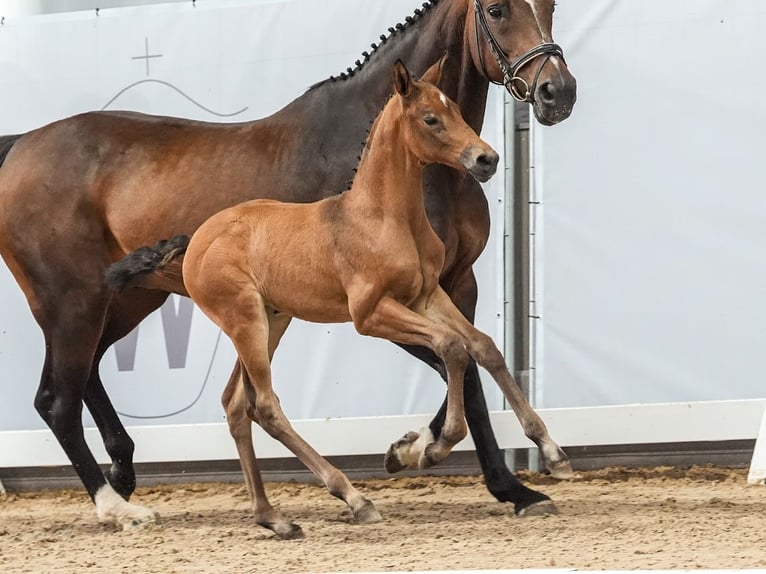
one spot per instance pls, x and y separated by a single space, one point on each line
515 84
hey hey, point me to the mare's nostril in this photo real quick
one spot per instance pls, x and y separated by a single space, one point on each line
546 93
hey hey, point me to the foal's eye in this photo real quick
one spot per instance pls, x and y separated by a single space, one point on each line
495 11
430 120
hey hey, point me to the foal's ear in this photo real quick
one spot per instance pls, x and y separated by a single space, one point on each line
433 75
402 79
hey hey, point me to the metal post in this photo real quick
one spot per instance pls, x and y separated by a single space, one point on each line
509 248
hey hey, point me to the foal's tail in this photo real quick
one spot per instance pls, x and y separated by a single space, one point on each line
6 143
149 267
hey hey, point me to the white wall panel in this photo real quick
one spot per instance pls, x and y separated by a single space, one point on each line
651 275
219 61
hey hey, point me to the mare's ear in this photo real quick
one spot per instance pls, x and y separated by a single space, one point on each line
402 80
433 75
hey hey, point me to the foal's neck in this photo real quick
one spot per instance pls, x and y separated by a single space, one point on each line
389 177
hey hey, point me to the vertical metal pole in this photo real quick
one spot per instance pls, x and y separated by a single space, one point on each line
509 248
533 202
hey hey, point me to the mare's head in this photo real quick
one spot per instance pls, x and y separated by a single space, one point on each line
434 128
512 43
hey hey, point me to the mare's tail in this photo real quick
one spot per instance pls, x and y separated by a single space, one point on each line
6 143
148 266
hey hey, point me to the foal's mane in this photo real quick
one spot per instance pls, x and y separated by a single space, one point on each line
409 21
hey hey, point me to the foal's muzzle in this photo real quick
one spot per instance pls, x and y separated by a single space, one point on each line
481 163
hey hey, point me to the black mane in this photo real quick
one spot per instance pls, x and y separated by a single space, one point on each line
359 64
6 143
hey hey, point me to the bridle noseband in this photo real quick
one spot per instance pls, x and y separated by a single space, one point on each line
511 80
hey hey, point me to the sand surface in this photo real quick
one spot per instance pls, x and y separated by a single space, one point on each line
654 518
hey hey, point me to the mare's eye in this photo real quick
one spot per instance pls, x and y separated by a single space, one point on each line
430 120
495 11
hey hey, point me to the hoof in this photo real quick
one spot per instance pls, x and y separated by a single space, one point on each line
562 470
405 452
541 508
149 519
391 461
367 514
285 530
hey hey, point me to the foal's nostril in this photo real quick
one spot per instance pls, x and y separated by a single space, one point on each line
488 160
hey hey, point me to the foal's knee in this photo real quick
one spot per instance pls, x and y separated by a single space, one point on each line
451 348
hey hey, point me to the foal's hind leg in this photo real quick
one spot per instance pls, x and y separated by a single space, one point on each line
238 416
247 324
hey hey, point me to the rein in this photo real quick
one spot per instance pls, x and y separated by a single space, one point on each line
511 80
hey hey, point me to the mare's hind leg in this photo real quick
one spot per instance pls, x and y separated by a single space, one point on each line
72 321
71 340
126 310
247 324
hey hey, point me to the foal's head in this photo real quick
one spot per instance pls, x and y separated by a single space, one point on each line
434 129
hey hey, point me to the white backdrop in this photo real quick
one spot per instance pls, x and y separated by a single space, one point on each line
219 61
650 261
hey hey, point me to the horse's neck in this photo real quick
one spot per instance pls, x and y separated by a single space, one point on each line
388 182
341 110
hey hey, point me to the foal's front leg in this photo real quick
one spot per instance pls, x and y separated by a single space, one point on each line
484 351
389 319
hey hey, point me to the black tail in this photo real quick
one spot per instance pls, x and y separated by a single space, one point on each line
6 143
129 270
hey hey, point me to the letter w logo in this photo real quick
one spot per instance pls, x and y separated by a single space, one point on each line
176 326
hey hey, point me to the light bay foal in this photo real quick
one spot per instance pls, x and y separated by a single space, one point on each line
368 255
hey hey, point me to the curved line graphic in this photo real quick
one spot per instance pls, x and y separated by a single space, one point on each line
171 86
191 404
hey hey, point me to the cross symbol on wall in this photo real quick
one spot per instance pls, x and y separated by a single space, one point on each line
146 55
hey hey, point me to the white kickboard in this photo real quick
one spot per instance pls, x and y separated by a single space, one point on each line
757 474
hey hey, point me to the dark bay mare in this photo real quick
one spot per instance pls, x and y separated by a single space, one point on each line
80 193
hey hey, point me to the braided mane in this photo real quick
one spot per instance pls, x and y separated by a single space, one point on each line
400 27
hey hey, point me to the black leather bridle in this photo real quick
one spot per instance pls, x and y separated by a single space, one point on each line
511 80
